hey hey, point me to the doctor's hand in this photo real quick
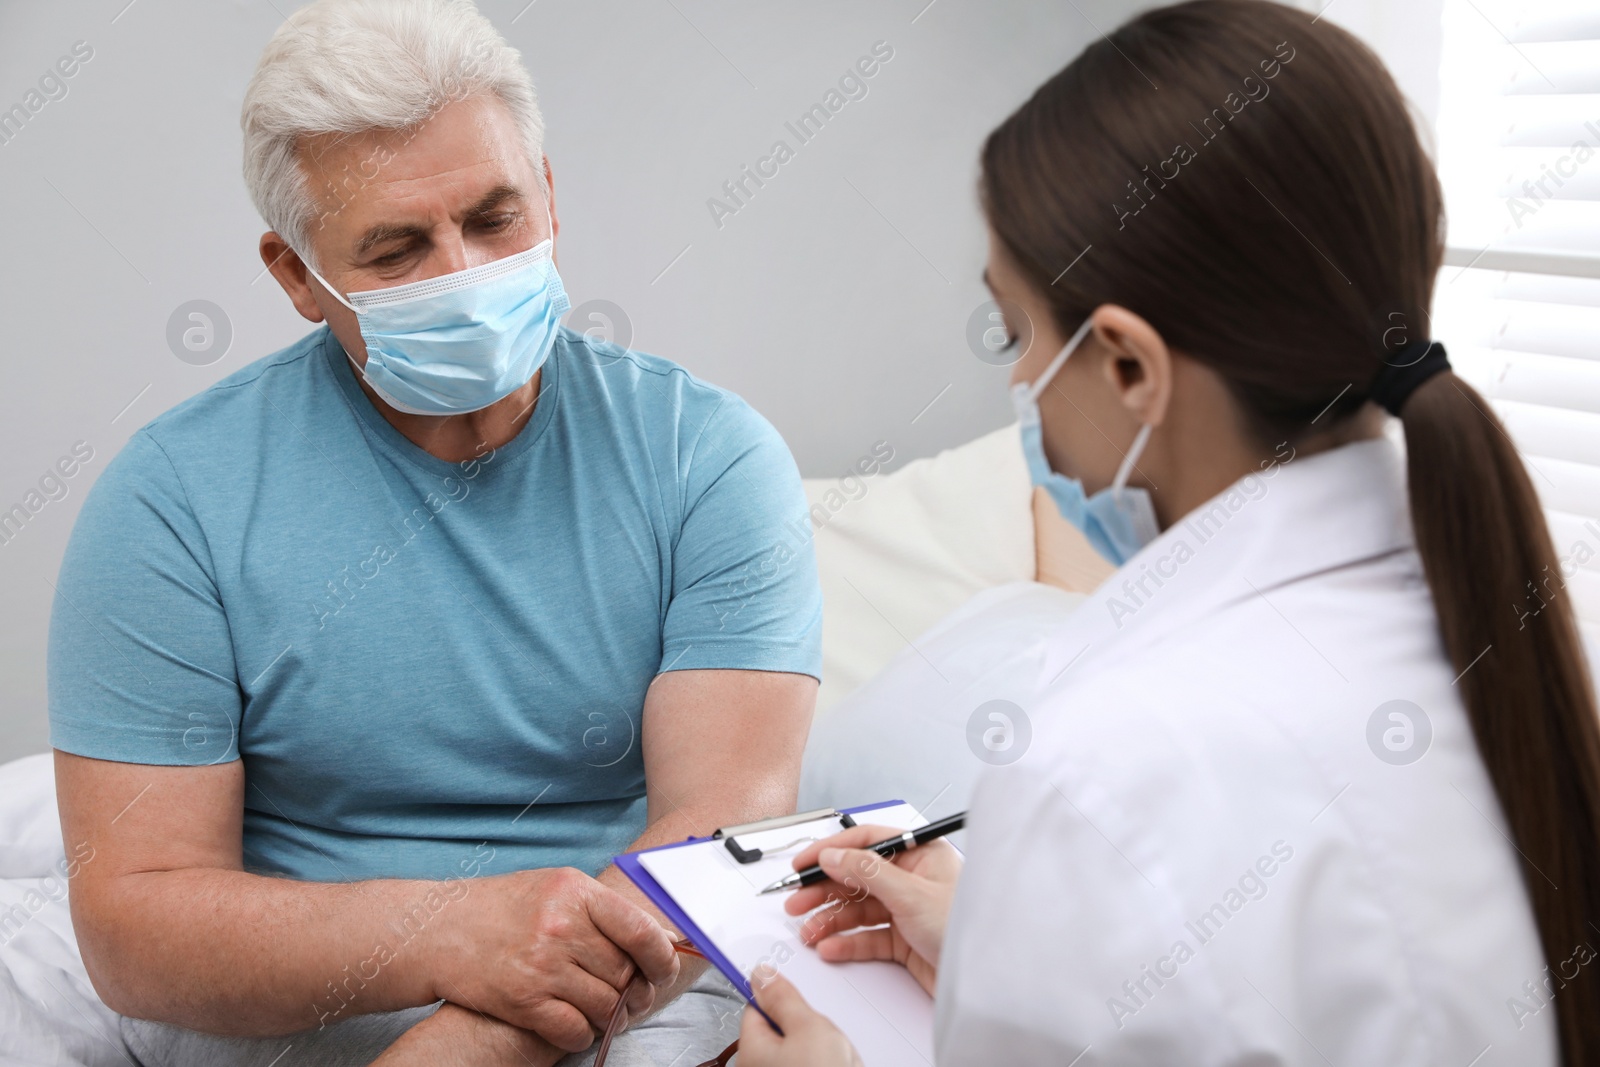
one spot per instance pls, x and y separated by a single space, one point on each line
912 893
808 1038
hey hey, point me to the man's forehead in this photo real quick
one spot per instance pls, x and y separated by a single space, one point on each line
467 158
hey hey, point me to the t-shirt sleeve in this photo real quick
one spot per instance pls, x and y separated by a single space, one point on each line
141 664
745 594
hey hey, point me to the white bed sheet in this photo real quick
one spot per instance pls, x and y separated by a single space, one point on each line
49 1012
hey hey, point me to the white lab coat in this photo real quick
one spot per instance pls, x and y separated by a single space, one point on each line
1202 860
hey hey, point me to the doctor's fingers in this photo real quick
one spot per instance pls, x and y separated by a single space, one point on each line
809 1038
878 943
937 861
759 1044
823 894
856 874
843 915
855 837
863 873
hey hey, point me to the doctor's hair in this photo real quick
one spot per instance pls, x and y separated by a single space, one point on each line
354 66
1248 180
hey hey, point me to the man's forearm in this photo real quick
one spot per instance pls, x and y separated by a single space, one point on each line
665 831
676 825
455 1036
721 747
230 952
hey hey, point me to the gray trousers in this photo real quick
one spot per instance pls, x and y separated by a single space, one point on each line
690 1030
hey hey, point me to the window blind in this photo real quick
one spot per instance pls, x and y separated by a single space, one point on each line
1518 300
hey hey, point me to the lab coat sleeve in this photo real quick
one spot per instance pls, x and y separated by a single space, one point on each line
1063 946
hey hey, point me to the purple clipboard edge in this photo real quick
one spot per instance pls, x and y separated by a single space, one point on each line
629 863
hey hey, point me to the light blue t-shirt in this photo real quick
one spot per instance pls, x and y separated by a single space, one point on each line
430 669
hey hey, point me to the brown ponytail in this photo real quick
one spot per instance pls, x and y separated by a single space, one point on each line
1482 537
1248 180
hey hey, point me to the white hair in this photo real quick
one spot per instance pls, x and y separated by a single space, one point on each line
350 66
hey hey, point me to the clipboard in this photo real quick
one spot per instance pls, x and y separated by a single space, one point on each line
877 1004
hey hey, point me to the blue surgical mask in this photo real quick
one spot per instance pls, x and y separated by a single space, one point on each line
1118 520
461 341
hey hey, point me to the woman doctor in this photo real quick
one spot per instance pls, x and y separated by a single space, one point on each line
1318 782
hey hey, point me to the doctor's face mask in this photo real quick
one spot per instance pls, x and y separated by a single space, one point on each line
461 341
1118 520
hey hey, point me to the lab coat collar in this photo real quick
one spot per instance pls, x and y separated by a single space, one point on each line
1295 518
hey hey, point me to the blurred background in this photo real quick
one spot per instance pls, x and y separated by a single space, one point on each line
836 297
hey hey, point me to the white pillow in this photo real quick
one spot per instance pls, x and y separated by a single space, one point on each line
916 732
898 552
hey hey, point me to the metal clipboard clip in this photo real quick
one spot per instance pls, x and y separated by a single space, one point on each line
728 834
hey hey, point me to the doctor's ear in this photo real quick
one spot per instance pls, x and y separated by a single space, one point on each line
1138 363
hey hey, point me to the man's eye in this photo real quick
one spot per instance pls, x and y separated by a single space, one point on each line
389 259
496 222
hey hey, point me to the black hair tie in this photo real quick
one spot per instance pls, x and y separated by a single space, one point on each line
1405 369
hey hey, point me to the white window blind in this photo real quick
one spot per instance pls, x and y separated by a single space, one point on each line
1518 301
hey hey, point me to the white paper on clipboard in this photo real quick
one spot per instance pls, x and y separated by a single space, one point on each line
878 1005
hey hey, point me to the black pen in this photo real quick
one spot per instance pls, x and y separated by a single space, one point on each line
894 845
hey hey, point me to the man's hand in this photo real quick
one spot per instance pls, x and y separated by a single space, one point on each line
455 1036
551 951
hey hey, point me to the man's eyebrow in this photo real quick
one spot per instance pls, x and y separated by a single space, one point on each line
388 231
494 198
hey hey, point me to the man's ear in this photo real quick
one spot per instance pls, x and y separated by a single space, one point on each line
1138 362
290 271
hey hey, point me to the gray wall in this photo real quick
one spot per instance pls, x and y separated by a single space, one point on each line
835 300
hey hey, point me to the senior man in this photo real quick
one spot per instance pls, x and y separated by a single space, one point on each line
368 658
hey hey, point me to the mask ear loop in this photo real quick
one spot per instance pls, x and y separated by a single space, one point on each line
1036 390
1120 482
336 294
361 371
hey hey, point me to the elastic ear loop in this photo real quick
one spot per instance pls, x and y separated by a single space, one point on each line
1036 390
336 294
1120 482
360 371
619 1015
